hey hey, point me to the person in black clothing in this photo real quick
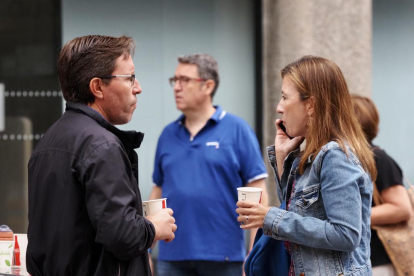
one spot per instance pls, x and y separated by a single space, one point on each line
85 209
396 207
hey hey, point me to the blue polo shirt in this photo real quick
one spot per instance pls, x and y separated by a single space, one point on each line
199 177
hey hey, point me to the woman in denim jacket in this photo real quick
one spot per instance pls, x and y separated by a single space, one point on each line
326 182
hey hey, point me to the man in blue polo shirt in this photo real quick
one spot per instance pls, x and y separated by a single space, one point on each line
201 160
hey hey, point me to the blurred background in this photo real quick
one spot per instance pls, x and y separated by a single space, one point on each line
370 40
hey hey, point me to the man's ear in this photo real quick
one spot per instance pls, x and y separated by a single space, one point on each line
311 105
95 86
209 86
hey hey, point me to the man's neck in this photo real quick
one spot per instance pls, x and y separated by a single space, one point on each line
195 120
98 109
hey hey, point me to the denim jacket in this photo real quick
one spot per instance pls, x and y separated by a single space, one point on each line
328 222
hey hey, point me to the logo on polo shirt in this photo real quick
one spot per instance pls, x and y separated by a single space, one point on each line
214 144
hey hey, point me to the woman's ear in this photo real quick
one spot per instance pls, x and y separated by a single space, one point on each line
310 105
95 86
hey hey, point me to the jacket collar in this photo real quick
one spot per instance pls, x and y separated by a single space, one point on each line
130 139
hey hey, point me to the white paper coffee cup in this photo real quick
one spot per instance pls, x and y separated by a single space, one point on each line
149 207
6 254
250 194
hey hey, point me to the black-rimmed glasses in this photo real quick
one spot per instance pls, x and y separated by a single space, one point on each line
131 77
183 80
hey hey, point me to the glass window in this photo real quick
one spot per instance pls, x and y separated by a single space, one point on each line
31 39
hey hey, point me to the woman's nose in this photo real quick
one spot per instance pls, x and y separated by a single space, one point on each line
279 108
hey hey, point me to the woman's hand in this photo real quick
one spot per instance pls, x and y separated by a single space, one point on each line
283 143
251 215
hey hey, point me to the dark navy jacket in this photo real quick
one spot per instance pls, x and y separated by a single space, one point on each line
85 209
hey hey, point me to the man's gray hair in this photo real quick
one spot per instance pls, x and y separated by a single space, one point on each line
207 67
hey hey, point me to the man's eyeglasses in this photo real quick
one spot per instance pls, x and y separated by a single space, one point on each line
183 80
131 78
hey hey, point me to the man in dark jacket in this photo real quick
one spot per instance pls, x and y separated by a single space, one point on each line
85 209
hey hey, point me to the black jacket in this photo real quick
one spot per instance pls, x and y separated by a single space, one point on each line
85 209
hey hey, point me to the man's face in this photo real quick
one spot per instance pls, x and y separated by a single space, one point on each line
120 100
192 94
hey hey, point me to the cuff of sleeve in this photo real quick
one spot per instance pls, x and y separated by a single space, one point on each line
152 233
271 222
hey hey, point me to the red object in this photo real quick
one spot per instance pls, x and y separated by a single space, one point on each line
163 204
16 252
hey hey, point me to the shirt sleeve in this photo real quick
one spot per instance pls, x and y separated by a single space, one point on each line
341 230
389 173
158 175
252 166
111 202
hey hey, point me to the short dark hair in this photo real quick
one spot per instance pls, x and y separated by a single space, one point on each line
207 67
87 57
367 114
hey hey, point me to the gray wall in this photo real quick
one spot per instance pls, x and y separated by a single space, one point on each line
335 29
393 71
165 29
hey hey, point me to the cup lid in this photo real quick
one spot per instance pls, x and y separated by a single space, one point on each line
5 232
154 200
249 189
5 228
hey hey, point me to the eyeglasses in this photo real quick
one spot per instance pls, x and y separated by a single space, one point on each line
183 80
131 77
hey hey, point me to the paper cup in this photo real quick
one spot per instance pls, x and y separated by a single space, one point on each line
250 194
20 247
6 254
149 207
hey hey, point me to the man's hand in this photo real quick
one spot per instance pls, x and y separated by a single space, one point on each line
164 224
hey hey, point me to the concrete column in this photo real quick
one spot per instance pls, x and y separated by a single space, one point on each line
340 30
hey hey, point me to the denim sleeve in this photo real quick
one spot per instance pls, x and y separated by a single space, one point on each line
271 154
271 221
341 199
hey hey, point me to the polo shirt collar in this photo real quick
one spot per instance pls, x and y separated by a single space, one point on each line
216 117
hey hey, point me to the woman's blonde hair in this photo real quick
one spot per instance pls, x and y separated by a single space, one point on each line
333 118
367 114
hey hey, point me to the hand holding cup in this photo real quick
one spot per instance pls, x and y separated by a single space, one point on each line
251 212
161 217
164 224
